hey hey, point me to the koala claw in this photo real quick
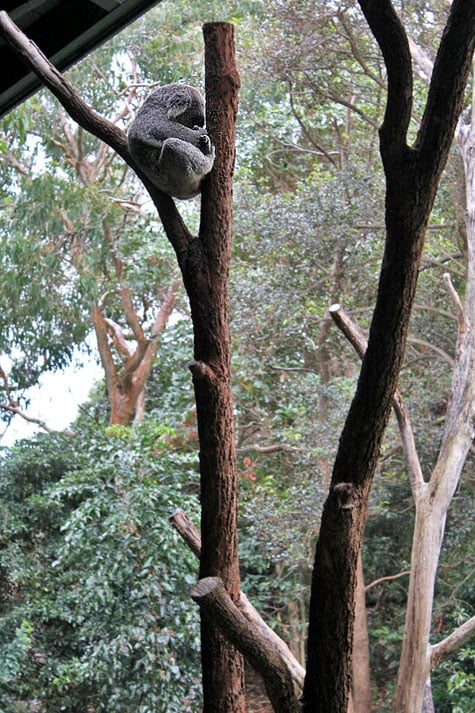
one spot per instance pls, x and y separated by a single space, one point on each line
204 144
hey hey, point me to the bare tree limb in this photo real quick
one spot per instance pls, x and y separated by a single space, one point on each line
185 527
357 339
452 643
105 353
17 411
216 604
432 347
457 302
274 448
13 407
388 578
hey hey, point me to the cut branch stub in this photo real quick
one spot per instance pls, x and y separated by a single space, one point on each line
216 604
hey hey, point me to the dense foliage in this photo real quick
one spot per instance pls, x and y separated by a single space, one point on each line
94 583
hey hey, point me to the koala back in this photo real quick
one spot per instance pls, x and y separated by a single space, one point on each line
168 140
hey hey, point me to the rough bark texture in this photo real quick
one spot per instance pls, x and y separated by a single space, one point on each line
412 176
205 270
216 605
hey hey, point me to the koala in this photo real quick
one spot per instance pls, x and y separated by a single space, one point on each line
168 140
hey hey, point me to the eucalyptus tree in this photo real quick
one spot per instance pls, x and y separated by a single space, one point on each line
74 233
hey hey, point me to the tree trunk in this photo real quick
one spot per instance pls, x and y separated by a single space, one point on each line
204 262
432 499
412 176
205 269
126 384
361 686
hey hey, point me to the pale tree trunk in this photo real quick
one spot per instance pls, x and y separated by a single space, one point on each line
361 684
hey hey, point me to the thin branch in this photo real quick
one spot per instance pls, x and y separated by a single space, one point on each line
457 302
274 448
388 578
16 410
13 407
319 149
432 347
350 36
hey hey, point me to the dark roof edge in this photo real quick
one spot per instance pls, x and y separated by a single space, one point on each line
76 50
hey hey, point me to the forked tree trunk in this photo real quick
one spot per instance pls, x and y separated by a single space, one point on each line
126 383
433 498
412 176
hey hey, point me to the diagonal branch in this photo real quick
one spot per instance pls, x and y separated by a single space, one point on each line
217 605
13 407
185 527
358 341
452 643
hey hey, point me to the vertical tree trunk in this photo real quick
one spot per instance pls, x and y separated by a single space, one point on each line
205 273
204 262
433 498
361 686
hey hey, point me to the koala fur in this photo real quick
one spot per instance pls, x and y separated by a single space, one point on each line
168 140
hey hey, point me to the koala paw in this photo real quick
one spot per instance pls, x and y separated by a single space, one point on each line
204 143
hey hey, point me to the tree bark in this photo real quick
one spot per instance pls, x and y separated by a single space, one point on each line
412 176
205 269
182 523
217 606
